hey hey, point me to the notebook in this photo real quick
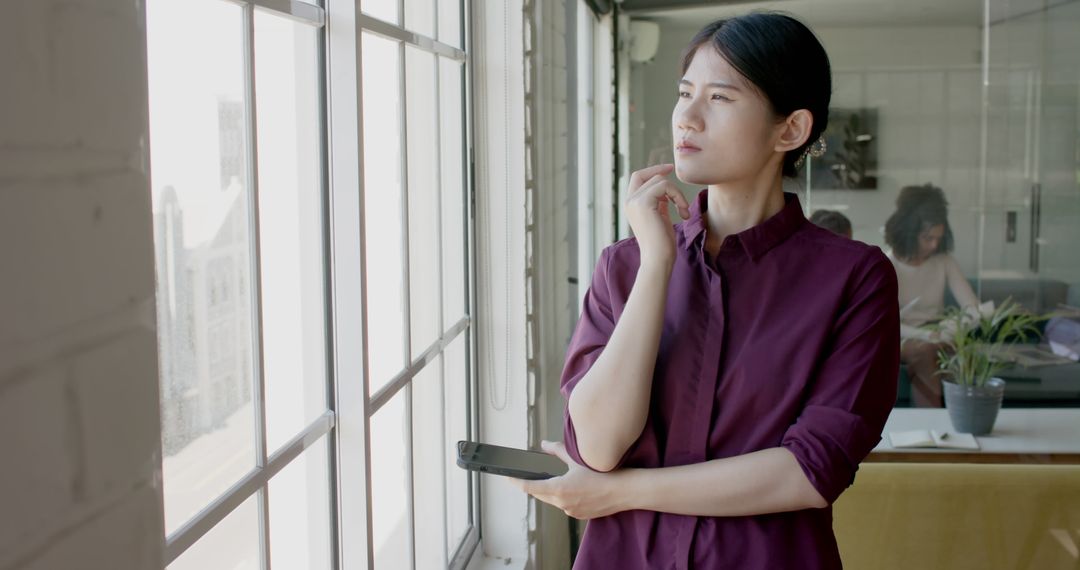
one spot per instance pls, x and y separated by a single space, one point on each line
933 438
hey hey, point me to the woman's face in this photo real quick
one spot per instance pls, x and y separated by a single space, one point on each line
930 239
722 128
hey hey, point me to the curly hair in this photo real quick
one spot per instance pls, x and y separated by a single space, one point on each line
918 209
831 220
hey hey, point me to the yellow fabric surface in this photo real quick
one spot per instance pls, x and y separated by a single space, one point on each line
960 516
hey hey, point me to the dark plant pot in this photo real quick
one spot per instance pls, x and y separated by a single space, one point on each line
973 409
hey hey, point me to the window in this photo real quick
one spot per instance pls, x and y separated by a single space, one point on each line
248 234
417 291
239 194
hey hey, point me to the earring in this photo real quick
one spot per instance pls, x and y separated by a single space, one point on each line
816 150
802 157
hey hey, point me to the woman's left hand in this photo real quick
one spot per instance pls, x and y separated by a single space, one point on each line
581 493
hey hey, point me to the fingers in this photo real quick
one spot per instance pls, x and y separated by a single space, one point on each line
660 188
542 490
525 485
639 177
539 488
676 196
558 450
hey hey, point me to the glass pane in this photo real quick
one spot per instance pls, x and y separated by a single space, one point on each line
1059 194
202 249
456 391
421 101
1034 165
1033 189
452 184
300 512
290 225
384 249
292 256
450 22
386 10
429 469
390 485
233 543
420 17
1010 177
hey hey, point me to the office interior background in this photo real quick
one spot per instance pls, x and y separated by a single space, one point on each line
266 261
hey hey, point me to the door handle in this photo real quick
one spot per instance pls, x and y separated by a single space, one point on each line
1036 220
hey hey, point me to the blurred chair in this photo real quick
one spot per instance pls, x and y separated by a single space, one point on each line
960 517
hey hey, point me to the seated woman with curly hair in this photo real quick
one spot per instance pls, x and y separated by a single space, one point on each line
921 241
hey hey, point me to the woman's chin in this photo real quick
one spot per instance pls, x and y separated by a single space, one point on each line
690 176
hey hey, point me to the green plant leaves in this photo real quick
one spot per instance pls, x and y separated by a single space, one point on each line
979 336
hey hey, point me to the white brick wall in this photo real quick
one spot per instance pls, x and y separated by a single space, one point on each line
80 476
34 492
112 538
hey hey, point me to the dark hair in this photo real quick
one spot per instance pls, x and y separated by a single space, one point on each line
782 58
833 221
918 209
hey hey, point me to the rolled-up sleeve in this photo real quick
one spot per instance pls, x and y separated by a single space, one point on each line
591 335
855 386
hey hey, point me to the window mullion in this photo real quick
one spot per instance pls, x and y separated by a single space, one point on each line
410 523
405 270
440 276
349 271
468 195
328 295
410 497
392 31
256 279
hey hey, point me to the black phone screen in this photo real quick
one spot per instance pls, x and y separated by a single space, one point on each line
508 461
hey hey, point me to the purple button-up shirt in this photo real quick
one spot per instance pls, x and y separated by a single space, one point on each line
788 338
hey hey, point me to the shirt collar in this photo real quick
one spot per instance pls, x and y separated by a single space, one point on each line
755 241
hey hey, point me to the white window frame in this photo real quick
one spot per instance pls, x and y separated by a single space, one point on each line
354 407
346 422
256 482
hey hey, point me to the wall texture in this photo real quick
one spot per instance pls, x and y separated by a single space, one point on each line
80 486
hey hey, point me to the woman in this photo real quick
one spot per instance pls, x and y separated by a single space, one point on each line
728 374
920 238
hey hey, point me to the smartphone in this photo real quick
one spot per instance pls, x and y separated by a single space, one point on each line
508 461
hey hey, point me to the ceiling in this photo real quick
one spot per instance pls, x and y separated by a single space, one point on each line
833 13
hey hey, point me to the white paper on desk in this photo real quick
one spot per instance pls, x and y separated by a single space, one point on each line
913 438
932 439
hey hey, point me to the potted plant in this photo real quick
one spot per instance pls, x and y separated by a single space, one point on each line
976 342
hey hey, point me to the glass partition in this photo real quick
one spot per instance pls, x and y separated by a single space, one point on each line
1032 197
977 98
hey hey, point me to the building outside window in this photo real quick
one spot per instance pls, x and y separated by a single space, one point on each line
245 262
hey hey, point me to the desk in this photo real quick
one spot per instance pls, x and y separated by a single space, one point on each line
1050 385
1020 436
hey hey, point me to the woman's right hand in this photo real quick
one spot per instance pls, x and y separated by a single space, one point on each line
647 211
